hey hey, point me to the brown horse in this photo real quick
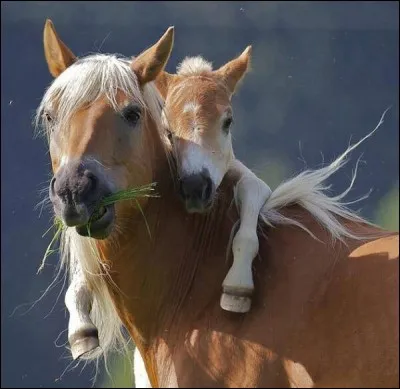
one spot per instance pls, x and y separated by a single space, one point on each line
325 311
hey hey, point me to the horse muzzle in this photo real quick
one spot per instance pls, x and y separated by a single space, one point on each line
76 191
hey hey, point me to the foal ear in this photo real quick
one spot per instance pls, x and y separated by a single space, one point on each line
233 71
163 82
148 65
58 55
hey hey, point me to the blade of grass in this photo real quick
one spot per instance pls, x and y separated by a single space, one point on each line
144 217
59 228
123 195
129 194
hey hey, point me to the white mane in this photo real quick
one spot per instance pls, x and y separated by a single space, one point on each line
191 66
90 78
82 83
308 190
101 74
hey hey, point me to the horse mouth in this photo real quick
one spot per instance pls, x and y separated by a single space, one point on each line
100 223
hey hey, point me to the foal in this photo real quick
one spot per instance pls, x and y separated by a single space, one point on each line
197 118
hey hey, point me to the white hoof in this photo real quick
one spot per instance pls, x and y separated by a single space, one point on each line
233 303
83 341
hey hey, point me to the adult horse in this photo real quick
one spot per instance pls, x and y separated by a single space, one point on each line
325 311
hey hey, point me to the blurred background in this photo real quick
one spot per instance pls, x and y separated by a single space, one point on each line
323 73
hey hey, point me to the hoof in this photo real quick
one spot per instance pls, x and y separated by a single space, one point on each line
234 303
83 342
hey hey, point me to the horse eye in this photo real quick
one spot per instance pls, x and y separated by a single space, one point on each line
227 124
48 117
132 115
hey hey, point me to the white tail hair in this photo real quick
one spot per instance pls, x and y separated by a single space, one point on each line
307 189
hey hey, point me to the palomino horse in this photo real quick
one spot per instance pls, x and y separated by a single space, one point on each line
325 311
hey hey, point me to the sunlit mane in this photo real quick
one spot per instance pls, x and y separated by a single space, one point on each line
88 79
193 65
82 83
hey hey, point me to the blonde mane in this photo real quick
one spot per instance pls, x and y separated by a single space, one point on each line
82 83
87 80
102 75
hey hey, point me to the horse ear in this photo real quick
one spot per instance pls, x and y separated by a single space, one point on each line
58 55
148 65
233 71
163 82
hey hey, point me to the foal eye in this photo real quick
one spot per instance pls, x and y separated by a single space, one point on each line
169 135
227 124
132 114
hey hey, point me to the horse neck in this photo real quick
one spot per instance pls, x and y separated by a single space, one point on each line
152 274
170 283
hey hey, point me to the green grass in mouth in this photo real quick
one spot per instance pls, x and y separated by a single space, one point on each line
122 195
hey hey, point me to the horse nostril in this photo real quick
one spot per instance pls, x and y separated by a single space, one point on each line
52 186
207 190
182 189
92 180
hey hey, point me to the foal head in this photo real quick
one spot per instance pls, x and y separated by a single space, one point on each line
197 117
99 115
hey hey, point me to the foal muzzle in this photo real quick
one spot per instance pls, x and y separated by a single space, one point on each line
197 191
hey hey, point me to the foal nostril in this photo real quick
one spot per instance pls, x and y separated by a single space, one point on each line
197 187
207 189
191 186
182 189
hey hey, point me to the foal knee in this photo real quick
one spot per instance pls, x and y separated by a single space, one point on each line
245 244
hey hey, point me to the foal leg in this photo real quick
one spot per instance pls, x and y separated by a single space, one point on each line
82 333
238 286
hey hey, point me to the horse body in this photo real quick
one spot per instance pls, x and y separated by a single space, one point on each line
322 317
325 313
